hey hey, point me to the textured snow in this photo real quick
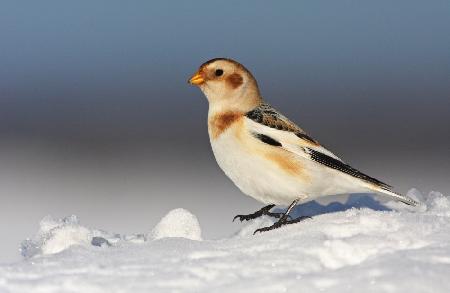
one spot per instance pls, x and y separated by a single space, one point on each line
178 223
357 246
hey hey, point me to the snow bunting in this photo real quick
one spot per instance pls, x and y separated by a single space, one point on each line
265 154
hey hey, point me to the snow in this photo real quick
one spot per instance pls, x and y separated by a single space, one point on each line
178 223
359 245
55 236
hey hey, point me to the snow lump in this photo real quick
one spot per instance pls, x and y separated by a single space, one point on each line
178 223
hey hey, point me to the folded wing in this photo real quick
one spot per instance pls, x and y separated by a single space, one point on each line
275 129
270 127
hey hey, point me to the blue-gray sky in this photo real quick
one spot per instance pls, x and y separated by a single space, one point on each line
93 96
105 68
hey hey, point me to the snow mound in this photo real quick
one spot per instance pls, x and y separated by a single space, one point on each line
57 235
178 223
360 245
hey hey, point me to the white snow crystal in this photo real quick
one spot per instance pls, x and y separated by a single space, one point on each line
55 236
357 246
58 235
65 237
178 223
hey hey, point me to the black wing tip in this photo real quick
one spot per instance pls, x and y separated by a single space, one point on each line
345 168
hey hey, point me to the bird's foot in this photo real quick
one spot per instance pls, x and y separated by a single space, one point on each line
264 211
281 222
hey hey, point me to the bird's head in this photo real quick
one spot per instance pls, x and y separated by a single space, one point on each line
227 85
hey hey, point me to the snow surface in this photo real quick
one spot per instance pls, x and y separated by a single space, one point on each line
358 246
178 223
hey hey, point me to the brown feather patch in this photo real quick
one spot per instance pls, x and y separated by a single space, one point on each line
285 162
266 115
275 122
235 80
221 122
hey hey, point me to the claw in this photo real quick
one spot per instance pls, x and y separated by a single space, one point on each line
283 221
264 211
241 218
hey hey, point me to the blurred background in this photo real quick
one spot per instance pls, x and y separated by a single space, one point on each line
97 120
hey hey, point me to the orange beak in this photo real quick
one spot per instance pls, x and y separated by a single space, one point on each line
197 78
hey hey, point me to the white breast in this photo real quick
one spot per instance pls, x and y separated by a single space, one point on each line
255 175
264 180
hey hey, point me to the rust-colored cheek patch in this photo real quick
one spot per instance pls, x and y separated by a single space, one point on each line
221 122
235 80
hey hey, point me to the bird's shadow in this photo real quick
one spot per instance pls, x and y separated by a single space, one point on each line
314 208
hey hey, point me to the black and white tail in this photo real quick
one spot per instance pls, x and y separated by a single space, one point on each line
399 197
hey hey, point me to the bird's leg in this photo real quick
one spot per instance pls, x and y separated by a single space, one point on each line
284 219
264 211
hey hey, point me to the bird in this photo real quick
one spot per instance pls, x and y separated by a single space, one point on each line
266 155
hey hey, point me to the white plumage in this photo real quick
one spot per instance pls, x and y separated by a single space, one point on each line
265 154
265 180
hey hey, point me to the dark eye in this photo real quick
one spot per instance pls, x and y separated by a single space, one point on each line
218 72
